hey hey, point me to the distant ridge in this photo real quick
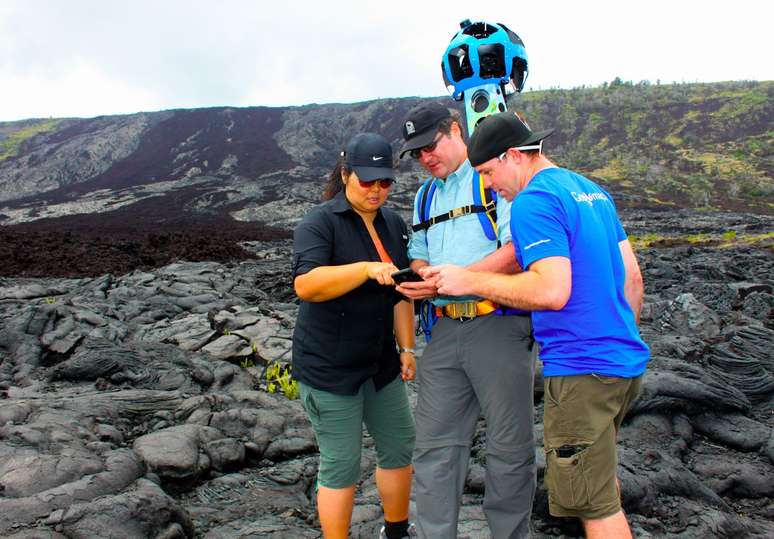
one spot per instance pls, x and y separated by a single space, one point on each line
677 145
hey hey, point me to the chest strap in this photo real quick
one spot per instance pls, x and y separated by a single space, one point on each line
491 206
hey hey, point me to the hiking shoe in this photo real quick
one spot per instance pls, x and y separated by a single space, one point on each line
411 533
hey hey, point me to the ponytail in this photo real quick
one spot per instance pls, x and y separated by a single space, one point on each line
335 181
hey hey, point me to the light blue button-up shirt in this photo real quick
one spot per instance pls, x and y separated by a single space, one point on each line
459 241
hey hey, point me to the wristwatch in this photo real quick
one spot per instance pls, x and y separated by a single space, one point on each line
409 350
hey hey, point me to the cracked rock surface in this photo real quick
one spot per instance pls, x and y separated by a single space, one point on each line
134 405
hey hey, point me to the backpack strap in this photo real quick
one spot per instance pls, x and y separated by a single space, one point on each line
484 204
425 200
425 307
451 214
486 198
427 319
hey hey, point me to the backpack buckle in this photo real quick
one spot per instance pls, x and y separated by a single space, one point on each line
457 212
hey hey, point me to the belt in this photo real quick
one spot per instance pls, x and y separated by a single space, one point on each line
467 310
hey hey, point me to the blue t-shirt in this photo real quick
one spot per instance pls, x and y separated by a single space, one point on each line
561 213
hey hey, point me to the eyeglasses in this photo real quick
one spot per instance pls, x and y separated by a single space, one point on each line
538 146
416 154
384 184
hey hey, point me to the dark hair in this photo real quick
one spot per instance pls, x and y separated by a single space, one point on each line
445 125
335 181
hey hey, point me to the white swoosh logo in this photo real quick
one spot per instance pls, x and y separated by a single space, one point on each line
531 245
377 158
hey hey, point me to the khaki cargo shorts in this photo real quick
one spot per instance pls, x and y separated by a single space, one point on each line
582 415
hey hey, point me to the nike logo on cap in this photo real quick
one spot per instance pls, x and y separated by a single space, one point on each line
375 158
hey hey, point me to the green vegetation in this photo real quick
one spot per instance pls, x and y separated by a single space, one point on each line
676 145
11 144
766 239
247 363
697 238
279 377
645 241
685 145
730 238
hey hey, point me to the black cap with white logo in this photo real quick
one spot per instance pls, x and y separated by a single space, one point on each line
421 125
370 156
498 132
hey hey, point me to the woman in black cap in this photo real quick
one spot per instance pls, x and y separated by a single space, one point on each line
353 346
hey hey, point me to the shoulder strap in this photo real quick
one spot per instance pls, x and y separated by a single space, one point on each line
487 198
426 199
484 204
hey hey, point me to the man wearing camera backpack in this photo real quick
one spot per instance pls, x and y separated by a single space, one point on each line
479 360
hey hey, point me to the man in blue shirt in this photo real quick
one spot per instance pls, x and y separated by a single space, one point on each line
584 288
479 360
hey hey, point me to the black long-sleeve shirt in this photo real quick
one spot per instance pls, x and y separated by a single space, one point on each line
340 343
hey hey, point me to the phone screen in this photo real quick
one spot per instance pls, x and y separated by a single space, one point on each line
406 275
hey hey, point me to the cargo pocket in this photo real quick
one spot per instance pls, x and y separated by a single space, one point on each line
557 390
560 417
566 479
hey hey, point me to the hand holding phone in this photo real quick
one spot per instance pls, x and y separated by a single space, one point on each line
406 275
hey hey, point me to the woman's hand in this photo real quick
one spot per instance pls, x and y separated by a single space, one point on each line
408 366
380 272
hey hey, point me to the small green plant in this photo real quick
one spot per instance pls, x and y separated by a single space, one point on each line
645 241
247 362
49 300
279 377
226 332
729 236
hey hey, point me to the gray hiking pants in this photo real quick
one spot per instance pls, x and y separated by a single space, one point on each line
480 366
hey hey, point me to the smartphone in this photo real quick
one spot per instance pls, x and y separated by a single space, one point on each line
406 275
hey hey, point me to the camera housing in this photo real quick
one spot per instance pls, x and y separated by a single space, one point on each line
483 63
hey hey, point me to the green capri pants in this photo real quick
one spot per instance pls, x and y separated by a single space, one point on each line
338 420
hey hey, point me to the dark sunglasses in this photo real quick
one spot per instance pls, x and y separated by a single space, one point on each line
416 154
384 184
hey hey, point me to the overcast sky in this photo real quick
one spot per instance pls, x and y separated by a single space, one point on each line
92 57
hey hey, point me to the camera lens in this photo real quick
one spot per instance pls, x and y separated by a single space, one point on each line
480 101
491 59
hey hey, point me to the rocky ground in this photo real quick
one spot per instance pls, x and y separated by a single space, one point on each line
133 404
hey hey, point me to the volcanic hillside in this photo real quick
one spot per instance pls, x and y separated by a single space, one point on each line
121 186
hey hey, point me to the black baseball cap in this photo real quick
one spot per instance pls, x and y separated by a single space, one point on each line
370 156
421 126
498 132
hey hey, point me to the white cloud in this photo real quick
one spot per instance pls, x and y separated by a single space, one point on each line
81 91
89 57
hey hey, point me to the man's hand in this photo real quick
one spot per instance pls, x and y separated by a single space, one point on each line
450 280
418 290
